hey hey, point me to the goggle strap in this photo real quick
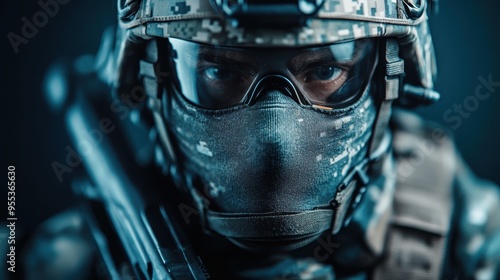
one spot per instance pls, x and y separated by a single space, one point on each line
153 76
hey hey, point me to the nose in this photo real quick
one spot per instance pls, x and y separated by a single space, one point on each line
276 144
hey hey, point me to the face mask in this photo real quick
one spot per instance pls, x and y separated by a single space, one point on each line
273 157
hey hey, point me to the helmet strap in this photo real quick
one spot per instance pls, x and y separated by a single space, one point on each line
391 85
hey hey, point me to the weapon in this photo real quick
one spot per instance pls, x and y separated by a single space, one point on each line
135 228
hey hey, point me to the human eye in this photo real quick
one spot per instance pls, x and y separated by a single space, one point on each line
323 79
323 73
218 73
222 85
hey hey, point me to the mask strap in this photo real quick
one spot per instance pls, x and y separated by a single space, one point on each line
360 176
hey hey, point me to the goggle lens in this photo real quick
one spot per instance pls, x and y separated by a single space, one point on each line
217 77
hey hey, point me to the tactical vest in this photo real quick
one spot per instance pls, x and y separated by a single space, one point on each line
423 202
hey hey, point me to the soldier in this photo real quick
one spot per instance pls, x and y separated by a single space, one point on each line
258 140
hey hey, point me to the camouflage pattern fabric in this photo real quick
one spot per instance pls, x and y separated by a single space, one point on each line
336 21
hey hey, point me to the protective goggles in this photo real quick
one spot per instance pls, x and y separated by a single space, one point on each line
328 76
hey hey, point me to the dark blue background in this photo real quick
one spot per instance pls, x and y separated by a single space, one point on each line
467 42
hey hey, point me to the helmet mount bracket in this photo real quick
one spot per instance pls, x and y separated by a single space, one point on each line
254 13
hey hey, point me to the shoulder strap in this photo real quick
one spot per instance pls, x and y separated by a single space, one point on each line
423 203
